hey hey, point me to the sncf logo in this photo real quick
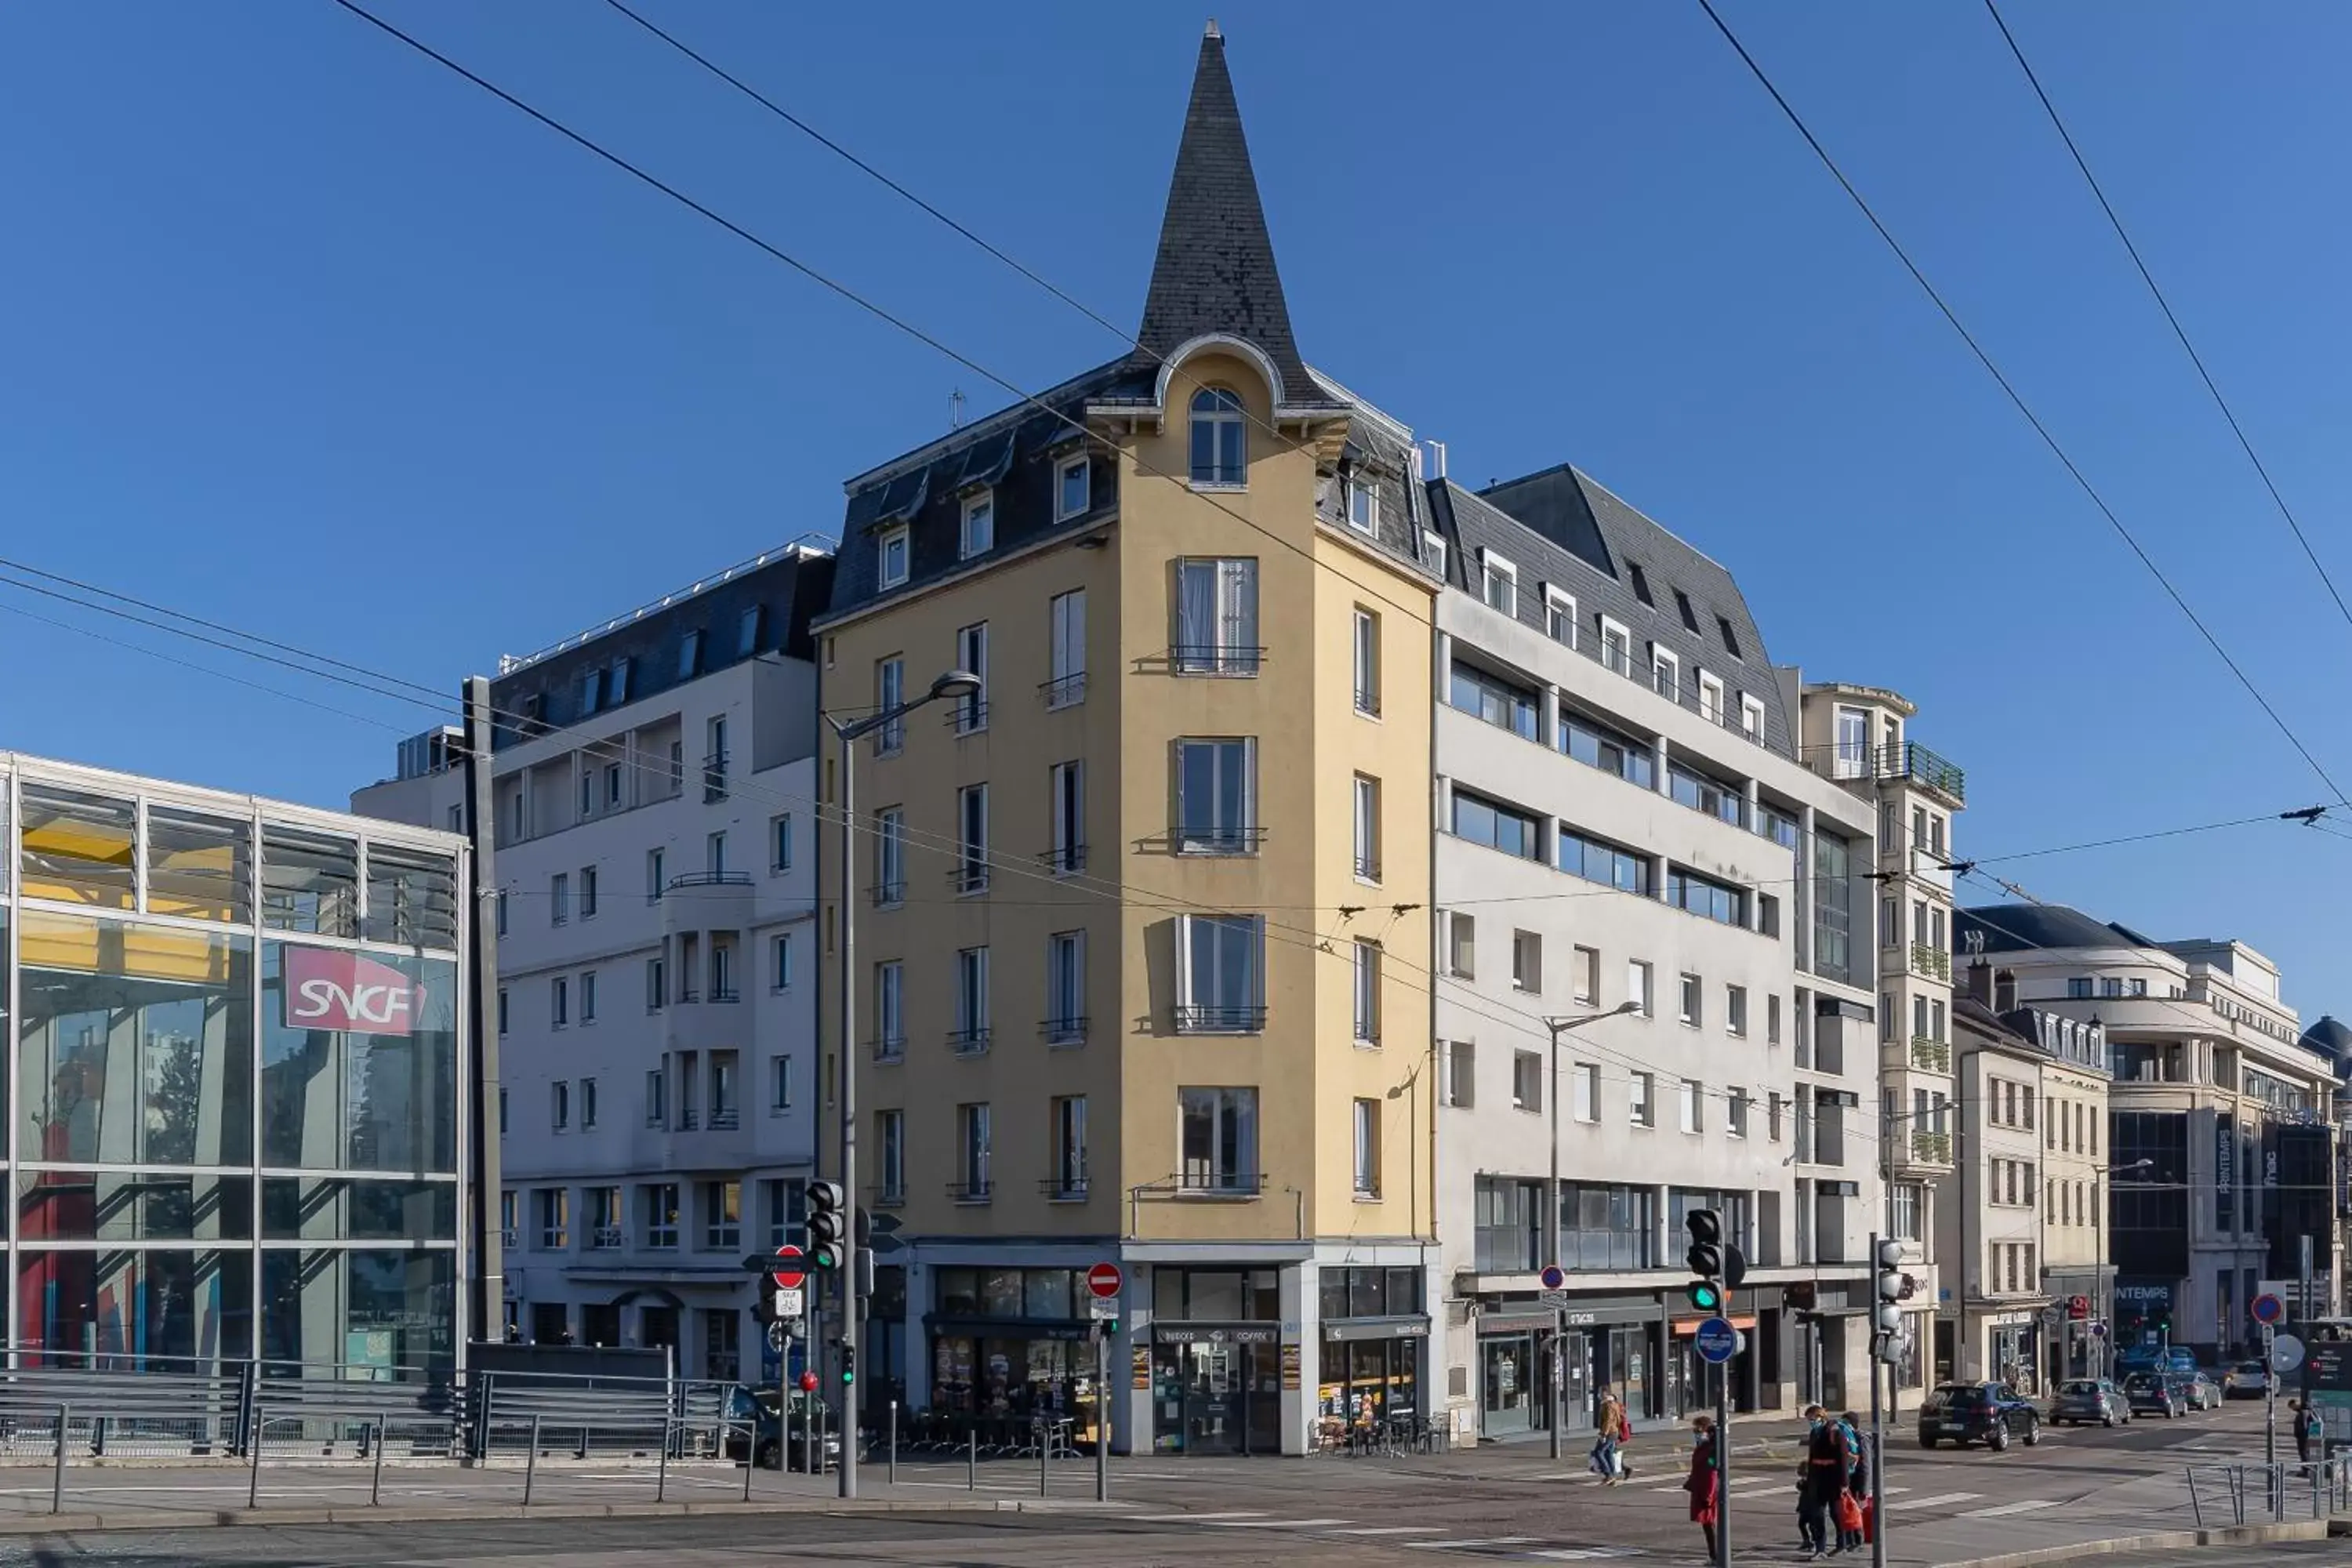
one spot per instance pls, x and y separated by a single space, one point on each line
328 989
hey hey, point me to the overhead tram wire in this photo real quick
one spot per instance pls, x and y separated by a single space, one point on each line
843 292
2017 400
2245 442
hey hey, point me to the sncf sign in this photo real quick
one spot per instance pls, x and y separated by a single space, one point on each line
329 989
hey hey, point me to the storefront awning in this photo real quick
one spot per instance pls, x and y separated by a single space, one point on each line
1685 1327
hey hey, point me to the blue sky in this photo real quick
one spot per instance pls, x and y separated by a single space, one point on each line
311 336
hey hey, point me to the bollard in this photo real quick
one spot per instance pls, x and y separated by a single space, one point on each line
57 1485
260 1437
375 1487
971 1459
661 1469
894 1442
1045 1455
530 1464
751 1452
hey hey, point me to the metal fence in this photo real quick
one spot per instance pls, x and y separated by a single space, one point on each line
2244 1494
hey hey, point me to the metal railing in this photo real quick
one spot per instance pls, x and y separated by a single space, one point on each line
2249 1494
968 1042
1065 1031
1932 962
1066 690
1194 1020
1934 1147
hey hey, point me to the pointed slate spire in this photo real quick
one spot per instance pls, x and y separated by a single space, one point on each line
1216 271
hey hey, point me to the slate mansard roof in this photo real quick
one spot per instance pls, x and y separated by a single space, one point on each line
1562 528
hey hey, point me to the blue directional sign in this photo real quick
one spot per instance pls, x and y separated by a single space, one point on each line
1717 1340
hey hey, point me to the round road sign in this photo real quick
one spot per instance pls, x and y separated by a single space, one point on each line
786 1278
2286 1354
1553 1276
1104 1280
2268 1309
1716 1341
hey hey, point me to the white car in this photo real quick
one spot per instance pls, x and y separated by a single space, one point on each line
2246 1380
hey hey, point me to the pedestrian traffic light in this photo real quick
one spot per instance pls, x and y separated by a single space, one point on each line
827 1222
848 1364
1886 1316
1706 1259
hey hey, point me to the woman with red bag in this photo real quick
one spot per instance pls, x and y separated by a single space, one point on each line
1701 1482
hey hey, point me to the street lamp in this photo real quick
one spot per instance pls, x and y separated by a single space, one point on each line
1559 1026
954 684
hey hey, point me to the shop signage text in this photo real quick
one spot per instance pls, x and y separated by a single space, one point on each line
1219 1334
326 988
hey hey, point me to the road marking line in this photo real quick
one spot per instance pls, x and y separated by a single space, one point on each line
1193 1518
1492 1541
1388 1529
1586 1553
1271 1523
2028 1506
1943 1498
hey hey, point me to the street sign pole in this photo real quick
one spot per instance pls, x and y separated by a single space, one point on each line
2270 1400
1882 1370
808 1362
1102 1412
1723 1464
783 1405
1553 1279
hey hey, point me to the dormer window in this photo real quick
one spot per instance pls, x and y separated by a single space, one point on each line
890 558
1363 503
1220 448
1072 490
979 523
1499 583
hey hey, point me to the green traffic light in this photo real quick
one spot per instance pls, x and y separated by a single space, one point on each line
1705 1296
849 1377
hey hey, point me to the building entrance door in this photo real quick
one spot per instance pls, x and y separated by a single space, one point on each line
1506 1363
1226 1398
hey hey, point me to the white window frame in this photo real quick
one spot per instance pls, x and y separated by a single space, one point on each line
1664 662
1363 502
1641 987
1616 634
978 534
1690 999
1559 616
1432 551
1494 568
1366 649
1364 810
1245 1017
885 543
1065 988
1366 987
1849 759
1751 717
1710 697
1584 1097
1063 510
1367 1128
1693 1097
1216 837
1642 1100
1066 620
1217 408
1235 629
972 658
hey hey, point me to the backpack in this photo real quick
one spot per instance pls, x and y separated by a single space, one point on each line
1825 1446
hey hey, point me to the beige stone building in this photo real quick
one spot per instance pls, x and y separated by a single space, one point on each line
1143 928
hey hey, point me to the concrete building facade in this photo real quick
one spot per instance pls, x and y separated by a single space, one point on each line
656 837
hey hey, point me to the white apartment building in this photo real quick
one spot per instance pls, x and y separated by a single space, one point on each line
2221 1142
655 851
1623 818
1860 736
1988 1207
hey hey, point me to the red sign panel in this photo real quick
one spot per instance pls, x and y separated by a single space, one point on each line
786 1280
329 988
1104 1280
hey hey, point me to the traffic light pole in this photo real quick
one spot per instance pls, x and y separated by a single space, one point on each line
852 1310
1878 1365
1723 1465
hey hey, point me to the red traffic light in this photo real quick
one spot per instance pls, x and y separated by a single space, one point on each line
808 1382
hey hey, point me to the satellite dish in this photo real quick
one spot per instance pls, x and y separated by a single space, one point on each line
2287 1353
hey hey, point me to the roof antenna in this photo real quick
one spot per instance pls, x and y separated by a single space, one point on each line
1212 30
955 409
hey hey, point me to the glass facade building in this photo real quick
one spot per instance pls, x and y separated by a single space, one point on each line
238 1085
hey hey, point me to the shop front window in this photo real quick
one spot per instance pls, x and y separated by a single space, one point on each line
358 1060
379 1308
156 1308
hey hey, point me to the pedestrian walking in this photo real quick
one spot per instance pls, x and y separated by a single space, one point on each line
1604 1445
1857 1483
1820 1483
1702 1483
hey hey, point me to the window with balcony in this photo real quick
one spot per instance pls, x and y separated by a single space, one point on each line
1065 988
1067 798
1067 1115
1665 671
1710 698
889 692
972 1027
1216 796
724 1104
1216 618
1218 1140
889 1010
971 866
1366 805
1066 621
1367 662
1751 719
1367 989
1498 701
1368 1148
1219 442
1616 647
969 711
973 1184
1221 973
1850 749
890 856
658 1211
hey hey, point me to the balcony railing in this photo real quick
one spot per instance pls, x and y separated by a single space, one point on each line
1070 1031
969 875
968 1042
1934 1147
606 1237
885 894
725 993
1931 962
714 777
723 1120
1064 691
1910 760
1216 658
967 716
710 879
1220 1184
1193 1020
1216 840
1368 703
977 1191
1064 1189
1065 859
890 1048
1930 1055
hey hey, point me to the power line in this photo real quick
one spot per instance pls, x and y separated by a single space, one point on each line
2016 398
2244 442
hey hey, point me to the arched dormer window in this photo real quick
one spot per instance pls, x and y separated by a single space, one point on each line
1220 445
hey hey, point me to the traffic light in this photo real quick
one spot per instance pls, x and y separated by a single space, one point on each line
1706 1259
1885 1317
848 1364
827 1222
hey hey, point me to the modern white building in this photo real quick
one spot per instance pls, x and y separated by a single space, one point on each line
1623 819
2222 1141
656 864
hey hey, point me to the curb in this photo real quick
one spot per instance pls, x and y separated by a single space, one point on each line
190 1519
2170 1540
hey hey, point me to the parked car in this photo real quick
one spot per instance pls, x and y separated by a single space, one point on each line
2198 1392
2153 1394
2089 1399
756 1409
2246 1380
1987 1413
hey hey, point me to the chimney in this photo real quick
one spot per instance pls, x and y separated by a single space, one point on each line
1980 983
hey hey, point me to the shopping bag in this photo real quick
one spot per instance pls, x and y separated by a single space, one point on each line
1849 1513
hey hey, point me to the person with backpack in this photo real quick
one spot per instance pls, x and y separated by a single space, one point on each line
1857 1483
1820 1483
